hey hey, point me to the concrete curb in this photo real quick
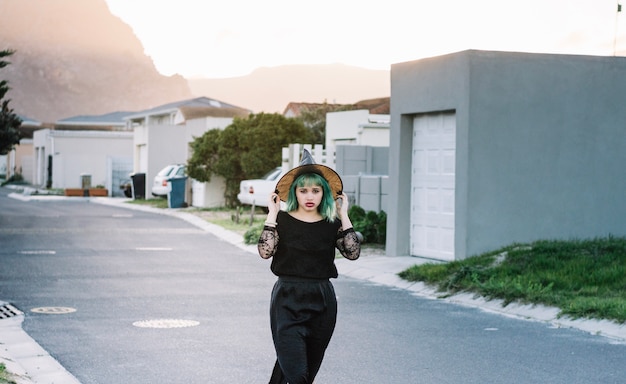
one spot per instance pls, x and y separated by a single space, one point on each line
25 359
384 269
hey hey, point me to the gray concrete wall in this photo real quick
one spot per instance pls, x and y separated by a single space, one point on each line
424 86
370 192
364 171
362 159
541 145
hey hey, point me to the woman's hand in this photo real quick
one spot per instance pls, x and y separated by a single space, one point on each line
342 205
273 206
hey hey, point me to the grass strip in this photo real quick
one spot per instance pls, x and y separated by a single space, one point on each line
582 278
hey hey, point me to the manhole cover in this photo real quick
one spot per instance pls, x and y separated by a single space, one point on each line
7 311
53 310
166 323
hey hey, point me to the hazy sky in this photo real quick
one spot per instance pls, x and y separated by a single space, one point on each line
227 38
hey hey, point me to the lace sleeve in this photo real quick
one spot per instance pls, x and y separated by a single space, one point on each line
268 242
348 244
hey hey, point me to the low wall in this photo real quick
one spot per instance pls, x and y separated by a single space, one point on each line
370 192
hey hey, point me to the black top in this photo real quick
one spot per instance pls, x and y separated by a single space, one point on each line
306 249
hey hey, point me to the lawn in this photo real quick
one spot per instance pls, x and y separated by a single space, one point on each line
583 278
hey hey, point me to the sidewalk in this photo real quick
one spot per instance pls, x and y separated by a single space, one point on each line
24 357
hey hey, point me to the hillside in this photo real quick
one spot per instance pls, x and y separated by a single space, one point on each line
73 57
271 89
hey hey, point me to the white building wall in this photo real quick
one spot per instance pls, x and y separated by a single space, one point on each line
211 194
75 153
373 135
197 127
166 145
356 128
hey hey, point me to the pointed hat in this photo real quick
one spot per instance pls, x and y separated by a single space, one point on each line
308 165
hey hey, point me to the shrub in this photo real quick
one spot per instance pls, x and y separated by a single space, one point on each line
252 235
16 178
372 225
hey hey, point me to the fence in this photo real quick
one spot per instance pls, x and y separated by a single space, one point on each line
292 154
363 169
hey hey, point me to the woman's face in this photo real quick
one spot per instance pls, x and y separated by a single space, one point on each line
309 197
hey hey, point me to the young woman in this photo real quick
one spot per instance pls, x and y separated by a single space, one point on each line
301 242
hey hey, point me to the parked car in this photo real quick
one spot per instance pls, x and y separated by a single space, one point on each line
160 186
257 191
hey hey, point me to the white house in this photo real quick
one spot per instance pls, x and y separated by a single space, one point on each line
19 161
162 136
99 146
356 127
62 158
358 143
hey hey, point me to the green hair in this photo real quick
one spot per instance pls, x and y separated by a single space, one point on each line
327 206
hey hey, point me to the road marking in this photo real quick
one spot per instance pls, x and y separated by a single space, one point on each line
153 249
166 323
53 310
42 252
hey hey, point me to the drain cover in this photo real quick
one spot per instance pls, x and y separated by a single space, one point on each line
53 310
166 323
7 311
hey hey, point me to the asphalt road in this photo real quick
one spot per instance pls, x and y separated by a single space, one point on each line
158 300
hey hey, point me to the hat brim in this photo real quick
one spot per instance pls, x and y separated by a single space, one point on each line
333 179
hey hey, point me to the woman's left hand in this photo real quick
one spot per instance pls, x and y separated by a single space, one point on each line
342 205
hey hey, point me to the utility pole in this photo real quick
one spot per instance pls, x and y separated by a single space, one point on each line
619 9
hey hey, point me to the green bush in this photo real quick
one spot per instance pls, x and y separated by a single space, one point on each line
16 178
252 235
372 225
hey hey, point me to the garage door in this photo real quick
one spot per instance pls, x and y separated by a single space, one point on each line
432 186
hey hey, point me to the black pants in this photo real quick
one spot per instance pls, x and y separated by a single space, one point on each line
303 313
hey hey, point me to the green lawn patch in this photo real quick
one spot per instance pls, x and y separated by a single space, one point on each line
5 376
583 278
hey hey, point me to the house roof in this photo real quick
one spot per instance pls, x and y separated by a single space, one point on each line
86 134
28 121
177 105
200 112
374 106
28 127
109 119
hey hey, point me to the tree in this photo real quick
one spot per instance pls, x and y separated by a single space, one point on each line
246 149
314 118
201 166
9 122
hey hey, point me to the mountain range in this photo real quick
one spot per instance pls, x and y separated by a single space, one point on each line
73 57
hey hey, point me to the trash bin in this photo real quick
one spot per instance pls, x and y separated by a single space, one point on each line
176 194
85 183
85 180
138 185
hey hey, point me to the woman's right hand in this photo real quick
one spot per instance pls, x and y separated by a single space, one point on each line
273 206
